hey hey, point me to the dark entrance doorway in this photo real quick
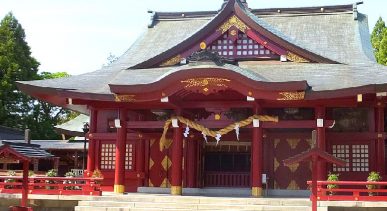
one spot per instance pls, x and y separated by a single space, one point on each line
227 166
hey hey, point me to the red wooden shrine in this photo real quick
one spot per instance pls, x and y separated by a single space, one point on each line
313 68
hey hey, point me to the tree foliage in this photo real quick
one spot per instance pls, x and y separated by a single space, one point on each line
16 63
18 110
379 41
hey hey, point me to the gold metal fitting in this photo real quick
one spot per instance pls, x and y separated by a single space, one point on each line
119 189
256 191
176 190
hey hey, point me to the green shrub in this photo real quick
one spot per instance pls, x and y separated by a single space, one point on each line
373 177
52 173
332 177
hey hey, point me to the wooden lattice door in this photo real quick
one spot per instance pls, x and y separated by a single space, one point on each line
285 145
159 165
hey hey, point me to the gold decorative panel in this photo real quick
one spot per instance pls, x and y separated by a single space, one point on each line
125 98
150 183
166 163
291 96
203 82
172 61
151 163
293 142
276 164
295 58
233 21
293 168
293 185
165 183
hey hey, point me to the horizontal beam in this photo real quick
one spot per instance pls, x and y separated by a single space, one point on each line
217 104
223 124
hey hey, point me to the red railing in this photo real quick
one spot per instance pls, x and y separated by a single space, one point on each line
52 185
227 179
351 191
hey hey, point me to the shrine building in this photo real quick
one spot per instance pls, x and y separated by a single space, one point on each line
222 98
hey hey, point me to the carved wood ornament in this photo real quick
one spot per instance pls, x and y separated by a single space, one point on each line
233 21
172 61
206 85
285 96
125 98
295 58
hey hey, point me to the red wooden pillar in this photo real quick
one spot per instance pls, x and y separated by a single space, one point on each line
314 182
321 142
191 163
380 141
24 200
91 157
177 160
256 159
119 173
140 161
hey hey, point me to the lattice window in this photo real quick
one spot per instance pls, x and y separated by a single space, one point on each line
108 156
244 47
360 160
249 47
108 153
342 152
129 157
356 156
223 46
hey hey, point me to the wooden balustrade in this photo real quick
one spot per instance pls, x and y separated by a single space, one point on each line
227 179
351 191
53 185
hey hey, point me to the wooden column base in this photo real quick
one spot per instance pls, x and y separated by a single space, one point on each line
176 190
256 191
119 189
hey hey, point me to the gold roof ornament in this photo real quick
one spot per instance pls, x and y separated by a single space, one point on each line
284 96
124 98
295 58
233 21
203 82
172 61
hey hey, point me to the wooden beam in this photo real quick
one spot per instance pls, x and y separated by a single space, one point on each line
222 124
215 104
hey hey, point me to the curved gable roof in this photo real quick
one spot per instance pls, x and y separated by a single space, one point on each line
233 7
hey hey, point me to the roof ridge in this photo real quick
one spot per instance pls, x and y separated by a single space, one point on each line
344 8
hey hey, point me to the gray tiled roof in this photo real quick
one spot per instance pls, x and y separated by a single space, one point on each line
53 144
28 150
7 133
336 36
73 127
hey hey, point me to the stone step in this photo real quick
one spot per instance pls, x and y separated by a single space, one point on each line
155 202
177 206
187 202
257 208
91 208
205 200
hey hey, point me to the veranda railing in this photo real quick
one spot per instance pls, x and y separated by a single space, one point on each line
52 185
351 191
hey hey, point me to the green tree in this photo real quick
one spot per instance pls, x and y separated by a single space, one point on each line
378 40
18 110
43 116
382 53
16 63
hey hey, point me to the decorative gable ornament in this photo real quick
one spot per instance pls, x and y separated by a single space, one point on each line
206 56
233 21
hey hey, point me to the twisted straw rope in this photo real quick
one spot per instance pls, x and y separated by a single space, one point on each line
208 132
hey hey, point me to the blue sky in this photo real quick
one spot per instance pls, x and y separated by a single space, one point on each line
77 36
